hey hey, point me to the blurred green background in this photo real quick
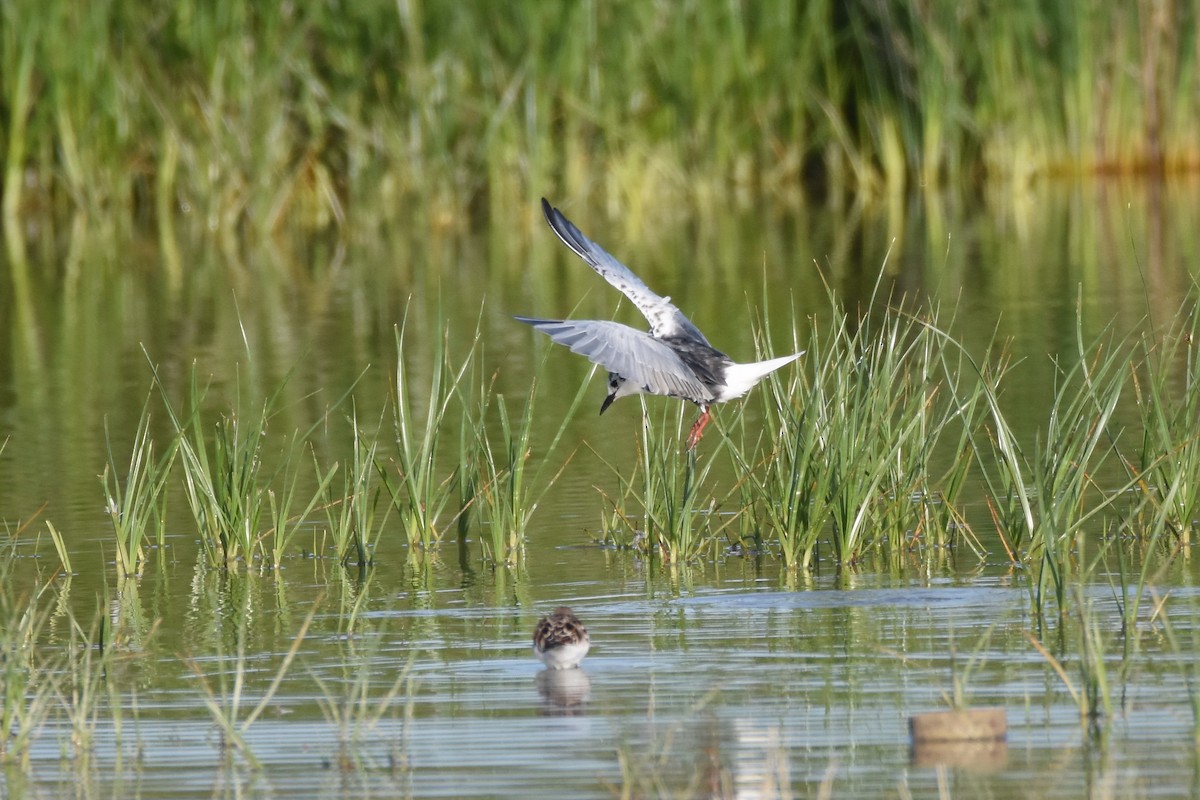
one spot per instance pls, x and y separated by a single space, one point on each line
436 115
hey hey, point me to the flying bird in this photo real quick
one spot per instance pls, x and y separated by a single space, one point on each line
673 359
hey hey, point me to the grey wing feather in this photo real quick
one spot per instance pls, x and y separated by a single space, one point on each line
664 317
634 355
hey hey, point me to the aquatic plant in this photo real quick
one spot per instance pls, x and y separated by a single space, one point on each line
512 476
1079 436
1168 402
60 548
285 522
135 506
352 514
852 451
790 479
229 475
304 120
1001 460
223 477
682 512
419 485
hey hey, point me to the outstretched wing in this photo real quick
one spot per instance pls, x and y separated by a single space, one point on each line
634 355
664 318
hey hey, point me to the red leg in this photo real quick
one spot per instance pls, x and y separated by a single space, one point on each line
698 428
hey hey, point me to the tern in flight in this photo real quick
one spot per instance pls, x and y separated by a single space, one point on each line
673 359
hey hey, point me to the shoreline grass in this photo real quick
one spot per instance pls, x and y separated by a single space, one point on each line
266 114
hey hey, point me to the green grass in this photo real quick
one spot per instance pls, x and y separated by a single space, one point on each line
1169 407
416 477
671 504
136 505
866 451
272 114
353 515
224 475
513 475
1080 436
866 447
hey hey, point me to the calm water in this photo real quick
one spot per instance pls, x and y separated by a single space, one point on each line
725 679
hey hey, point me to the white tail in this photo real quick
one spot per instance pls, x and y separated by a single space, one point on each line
741 378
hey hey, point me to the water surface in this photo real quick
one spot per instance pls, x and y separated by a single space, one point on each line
730 678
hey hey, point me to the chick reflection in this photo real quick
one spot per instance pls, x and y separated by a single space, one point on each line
565 691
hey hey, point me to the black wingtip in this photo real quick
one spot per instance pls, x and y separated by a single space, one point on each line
564 229
537 322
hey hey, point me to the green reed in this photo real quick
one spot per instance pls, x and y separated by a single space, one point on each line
1002 462
882 419
1169 410
1078 439
1168 461
136 505
795 488
352 514
420 485
674 510
504 490
285 521
512 473
265 113
60 548
855 450
682 515
223 474
243 495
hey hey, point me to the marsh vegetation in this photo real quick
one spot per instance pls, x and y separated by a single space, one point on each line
284 488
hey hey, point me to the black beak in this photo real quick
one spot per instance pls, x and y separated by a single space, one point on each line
607 402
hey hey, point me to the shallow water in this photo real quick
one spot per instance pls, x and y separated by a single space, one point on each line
727 679
734 691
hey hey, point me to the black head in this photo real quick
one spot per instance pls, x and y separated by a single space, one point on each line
614 384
